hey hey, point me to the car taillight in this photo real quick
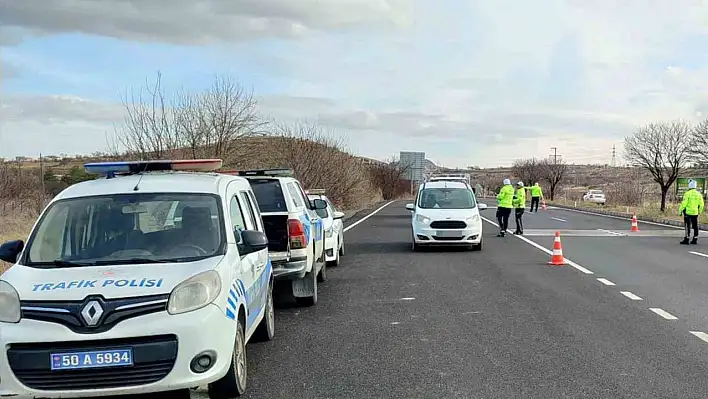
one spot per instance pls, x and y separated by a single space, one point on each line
296 233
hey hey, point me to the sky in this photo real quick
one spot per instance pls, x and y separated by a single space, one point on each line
468 82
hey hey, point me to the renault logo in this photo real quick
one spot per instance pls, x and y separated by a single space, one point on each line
92 313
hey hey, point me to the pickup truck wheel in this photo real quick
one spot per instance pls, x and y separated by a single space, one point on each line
266 329
233 384
322 275
309 300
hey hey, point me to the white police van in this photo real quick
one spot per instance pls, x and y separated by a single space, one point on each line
111 295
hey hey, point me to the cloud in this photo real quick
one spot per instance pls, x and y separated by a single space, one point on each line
467 81
199 21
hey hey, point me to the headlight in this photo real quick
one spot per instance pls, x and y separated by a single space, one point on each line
195 293
472 219
9 303
422 219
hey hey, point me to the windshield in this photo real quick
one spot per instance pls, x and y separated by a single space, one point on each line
269 195
446 198
127 228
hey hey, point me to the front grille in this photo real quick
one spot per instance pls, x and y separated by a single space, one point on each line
153 359
68 313
447 238
448 224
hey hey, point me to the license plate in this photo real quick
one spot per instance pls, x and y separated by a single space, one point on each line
91 359
448 233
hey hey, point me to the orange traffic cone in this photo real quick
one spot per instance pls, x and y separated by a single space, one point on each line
543 204
557 258
635 225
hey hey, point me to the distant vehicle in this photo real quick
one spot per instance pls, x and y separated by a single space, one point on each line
458 177
594 196
295 231
333 227
446 213
150 279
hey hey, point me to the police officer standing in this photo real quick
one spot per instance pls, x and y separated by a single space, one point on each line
691 206
519 207
505 200
536 196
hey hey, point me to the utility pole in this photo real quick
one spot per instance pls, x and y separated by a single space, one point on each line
555 155
614 156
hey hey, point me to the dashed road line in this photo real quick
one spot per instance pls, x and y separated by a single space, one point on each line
605 281
630 296
407 299
614 217
558 219
698 253
663 313
367 216
539 247
612 232
701 335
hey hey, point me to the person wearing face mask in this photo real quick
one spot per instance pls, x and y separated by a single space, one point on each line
505 200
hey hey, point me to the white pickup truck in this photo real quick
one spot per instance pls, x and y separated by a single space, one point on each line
295 231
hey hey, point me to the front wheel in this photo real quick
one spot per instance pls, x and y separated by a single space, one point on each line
341 246
233 384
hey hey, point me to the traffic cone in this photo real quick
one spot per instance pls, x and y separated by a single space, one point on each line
557 257
635 225
543 205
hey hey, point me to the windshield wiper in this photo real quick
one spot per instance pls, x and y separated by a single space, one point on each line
132 261
68 263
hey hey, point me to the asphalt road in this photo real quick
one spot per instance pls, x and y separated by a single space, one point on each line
499 323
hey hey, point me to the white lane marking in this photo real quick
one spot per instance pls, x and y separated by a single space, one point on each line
630 296
558 219
395 322
368 216
698 253
539 247
612 232
701 335
407 299
471 312
605 281
663 313
616 217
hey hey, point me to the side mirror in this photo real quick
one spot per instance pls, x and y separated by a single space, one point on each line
253 241
482 206
410 207
337 215
319 204
10 250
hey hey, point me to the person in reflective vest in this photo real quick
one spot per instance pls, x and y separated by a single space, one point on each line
536 196
505 200
691 206
519 207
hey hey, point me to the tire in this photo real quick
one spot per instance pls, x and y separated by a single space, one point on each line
309 300
322 275
266 329
414 247
233 384
341 245
477 247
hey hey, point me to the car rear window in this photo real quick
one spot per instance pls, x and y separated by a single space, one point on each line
269 194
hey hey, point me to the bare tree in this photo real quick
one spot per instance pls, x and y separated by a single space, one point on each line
699 142
552 172
527 170
663 149
390 178
205 124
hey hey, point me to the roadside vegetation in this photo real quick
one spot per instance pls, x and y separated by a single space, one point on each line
222 121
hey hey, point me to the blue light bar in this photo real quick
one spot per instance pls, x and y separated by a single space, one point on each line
133 167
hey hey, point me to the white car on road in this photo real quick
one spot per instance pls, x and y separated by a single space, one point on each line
333 227
111 296
594 196
446 213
